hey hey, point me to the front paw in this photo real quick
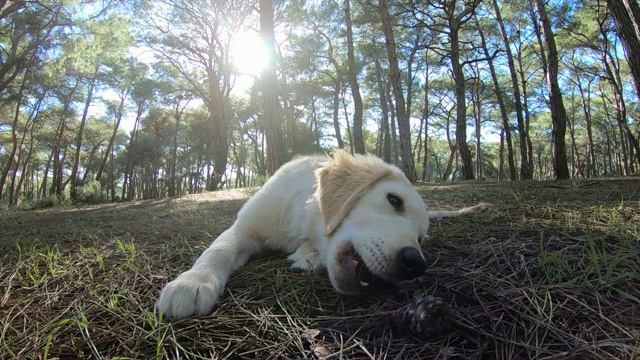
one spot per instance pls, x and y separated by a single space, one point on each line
192 292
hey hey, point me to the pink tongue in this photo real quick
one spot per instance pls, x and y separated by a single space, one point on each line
353 263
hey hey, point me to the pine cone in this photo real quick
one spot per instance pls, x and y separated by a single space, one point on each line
424 318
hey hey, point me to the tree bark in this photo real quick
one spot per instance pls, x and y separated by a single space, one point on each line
425 115
613 76
585 102
500 98
461 102
386 138
404 129
273 126
83 122
358 139
118 113
14 137
626 15
559 117
336 110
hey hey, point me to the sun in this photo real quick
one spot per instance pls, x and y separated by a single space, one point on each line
248 54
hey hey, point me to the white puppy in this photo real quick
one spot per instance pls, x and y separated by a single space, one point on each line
353 215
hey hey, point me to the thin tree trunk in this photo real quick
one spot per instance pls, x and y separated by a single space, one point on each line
346 119
501 103
477 108
585 101
177 116
83 122
336 110
14 137
425 115
386 138
559 117
273 126
358 139
453 148
112 139
129 180
408 166
501 156
392 126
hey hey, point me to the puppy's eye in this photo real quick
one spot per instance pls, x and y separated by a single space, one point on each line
395 201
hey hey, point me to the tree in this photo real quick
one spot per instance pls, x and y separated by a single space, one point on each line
408 166
501 103
452 18
196 38
358 140
273 126
558 112
26 30
526 163
626 14
101 44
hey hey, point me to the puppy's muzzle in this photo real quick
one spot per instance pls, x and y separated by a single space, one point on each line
411 263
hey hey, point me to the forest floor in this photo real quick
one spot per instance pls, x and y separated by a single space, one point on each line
551 271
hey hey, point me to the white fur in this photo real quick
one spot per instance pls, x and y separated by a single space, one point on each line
286 214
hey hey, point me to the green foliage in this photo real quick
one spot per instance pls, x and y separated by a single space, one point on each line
89 193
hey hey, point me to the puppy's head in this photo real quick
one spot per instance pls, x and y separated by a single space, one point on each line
374 220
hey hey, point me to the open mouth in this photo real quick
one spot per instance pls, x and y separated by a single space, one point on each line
364 276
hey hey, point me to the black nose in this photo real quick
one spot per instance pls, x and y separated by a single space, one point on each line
411 262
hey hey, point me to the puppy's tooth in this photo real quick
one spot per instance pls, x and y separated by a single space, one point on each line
364 283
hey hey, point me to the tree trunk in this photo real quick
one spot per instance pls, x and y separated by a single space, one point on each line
358 139
501 156
386 138
14 138
404 128
501 106
219 135
461 102
615 81
128 172
527 113
83 122
453 148
336 110
177 116
585 101
477 114
346 119
626 15
273 126
14 190
425 115
526 164
112 139
393 134
558 113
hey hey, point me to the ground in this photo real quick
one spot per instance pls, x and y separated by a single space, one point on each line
551 271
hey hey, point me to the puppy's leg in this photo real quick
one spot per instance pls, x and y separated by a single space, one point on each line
305 258
197 290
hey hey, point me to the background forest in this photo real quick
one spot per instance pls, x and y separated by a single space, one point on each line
110 100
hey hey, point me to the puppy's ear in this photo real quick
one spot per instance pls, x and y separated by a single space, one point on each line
342 181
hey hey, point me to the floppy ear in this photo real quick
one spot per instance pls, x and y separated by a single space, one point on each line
342 181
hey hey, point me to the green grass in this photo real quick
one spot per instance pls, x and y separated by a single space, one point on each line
551 271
